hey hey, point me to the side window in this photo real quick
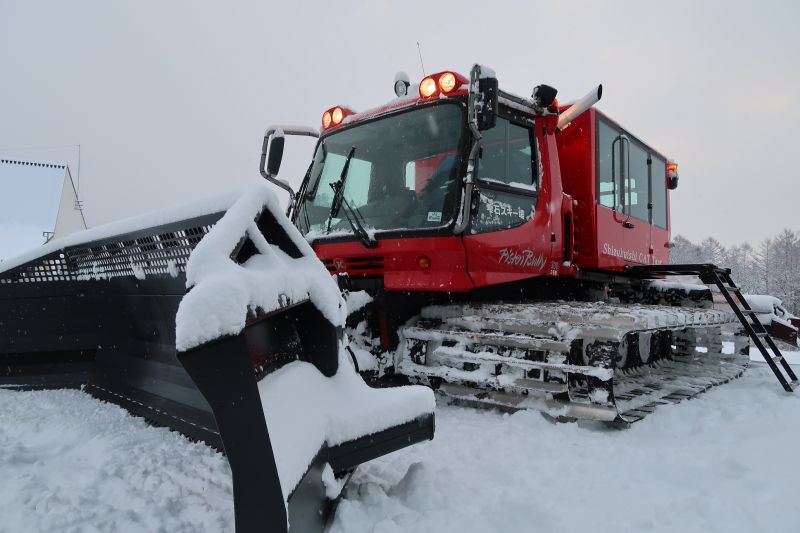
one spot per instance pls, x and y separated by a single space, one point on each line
607 179
636 188
507 156
507 181
659 192
617 156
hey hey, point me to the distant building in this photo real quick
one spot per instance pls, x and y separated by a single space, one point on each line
38 202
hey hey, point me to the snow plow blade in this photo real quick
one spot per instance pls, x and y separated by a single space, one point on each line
220 323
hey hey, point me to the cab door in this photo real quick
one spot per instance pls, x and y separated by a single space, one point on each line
623 192
508 238
612 147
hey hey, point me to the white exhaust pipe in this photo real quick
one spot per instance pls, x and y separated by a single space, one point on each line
579 107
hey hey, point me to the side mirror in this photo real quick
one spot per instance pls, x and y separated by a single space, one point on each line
275 155
483 98
274 140
487 119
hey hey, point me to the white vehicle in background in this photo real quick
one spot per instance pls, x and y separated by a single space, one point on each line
780 323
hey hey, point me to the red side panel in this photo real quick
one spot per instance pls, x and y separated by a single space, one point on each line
511 255
622 240
576 149
606 239
397 261
659 242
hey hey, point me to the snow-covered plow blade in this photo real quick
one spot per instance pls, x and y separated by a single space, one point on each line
218 322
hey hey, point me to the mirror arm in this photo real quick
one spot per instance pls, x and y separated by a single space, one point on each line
469 182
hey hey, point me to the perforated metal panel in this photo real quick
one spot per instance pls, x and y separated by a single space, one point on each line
159 251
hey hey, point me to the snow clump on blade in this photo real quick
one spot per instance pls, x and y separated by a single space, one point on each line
220 292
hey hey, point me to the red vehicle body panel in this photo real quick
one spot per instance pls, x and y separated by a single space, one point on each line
569 230
605 239
534 248
396 260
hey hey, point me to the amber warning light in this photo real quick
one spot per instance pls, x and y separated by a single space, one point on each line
672 169
672 175
441 83
334 116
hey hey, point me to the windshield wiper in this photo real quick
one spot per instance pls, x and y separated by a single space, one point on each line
338 186
353 215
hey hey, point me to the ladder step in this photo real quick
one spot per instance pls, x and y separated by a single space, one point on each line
795 384
777 359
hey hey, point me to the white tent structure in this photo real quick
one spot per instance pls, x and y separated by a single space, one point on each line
38 202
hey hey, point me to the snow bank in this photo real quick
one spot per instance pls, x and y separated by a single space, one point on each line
793 358
71 463
222 291
698 466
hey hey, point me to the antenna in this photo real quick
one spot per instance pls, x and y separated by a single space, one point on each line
420 60
78 192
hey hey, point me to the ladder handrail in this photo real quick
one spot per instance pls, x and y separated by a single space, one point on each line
750 325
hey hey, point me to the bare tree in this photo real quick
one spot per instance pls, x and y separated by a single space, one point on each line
771 268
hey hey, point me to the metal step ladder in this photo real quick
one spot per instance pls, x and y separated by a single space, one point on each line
721 277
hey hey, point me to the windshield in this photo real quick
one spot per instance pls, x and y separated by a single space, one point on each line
402 174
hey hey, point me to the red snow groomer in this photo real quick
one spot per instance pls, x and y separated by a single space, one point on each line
516 250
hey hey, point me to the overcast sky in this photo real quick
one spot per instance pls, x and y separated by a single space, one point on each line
169 100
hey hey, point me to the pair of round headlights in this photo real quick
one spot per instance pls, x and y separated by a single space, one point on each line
444 82
333 116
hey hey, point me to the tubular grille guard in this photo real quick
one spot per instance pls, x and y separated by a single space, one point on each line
156 251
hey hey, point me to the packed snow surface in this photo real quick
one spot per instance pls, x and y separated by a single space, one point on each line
70 463
723 462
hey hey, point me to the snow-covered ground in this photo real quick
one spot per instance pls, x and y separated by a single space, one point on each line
721 462
71 463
